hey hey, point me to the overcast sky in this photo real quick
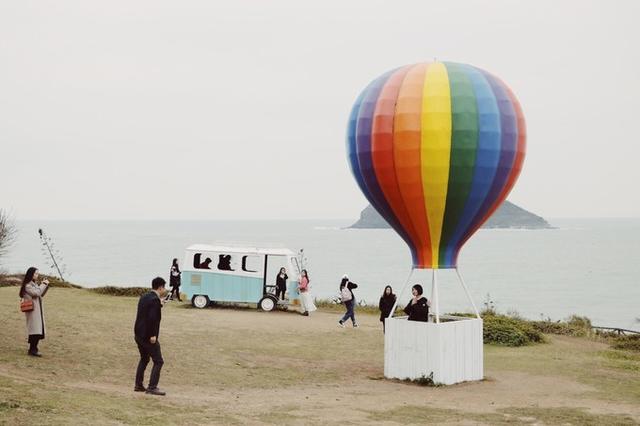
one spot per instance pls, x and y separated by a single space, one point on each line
237 109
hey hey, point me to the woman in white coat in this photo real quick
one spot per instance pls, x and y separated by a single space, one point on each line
35 318
306 301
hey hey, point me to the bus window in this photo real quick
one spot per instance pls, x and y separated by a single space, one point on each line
251 263
224 262
201 265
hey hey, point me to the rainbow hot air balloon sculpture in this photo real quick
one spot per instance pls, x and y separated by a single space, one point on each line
436 148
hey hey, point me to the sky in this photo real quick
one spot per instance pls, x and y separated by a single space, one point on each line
238 109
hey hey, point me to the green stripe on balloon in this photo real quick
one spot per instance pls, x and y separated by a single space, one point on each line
464 144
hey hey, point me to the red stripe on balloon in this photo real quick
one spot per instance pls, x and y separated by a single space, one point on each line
407 134
382 153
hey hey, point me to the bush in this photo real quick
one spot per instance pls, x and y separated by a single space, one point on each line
424 381
15 280
508 331
121 291
560 328
630 343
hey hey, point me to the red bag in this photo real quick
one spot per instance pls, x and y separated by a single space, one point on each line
26 305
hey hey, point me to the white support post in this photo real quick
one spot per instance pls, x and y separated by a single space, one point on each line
435 296
401 293
432 285
466 290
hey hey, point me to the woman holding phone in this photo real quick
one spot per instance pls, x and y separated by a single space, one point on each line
31 291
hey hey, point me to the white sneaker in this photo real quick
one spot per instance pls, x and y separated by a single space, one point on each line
355 325
340 324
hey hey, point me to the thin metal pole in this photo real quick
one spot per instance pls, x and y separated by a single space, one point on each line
435 296
433 280
401 293
466 290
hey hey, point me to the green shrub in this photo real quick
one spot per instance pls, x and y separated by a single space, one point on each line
15 280
507 331
424 381
579 322
121 291
560 328
630 343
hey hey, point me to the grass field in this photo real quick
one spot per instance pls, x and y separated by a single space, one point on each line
242 366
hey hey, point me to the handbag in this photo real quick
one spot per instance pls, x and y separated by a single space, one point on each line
26 305
345 293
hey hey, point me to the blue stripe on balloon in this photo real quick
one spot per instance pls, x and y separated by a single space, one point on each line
508 144
352 153
364 127
487 156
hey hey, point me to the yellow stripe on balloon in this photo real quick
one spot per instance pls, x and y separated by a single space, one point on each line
435 149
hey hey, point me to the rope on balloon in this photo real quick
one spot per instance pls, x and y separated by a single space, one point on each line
404 287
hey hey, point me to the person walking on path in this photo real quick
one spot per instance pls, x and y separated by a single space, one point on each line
306 302
146 331
174 280
31 291
281 283
387 300
349 300
418 306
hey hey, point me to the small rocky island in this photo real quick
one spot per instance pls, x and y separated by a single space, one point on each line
508 215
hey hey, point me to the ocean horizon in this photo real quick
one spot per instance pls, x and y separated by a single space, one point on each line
584 266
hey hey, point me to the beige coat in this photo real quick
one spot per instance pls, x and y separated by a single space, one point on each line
35 318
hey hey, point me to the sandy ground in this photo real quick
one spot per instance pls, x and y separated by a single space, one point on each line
250 367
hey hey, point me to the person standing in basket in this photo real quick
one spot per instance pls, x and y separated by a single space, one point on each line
349 300
146 330
418 307
30 291
174 280
386 303
306 303
281 283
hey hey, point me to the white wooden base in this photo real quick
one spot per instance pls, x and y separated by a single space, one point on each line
452 349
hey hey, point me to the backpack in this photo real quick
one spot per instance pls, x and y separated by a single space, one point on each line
345 293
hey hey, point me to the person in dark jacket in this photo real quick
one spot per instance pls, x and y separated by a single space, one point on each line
349 303
418 307
174 280
387 300
146 331
281 283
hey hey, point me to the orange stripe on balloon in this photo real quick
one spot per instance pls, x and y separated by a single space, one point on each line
407 131
382 151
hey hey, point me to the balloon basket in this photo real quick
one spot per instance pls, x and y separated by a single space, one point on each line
448 348
450 351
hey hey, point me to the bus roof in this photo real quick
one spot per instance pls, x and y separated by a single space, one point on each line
244 249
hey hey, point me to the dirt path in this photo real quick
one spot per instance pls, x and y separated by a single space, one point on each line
241 366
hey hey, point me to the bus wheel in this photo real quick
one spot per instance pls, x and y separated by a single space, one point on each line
199 301
267 304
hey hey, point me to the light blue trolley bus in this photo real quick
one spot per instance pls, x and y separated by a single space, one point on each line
212 273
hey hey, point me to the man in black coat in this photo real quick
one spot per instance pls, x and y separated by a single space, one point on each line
146 330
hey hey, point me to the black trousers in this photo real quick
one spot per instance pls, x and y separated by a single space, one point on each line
153 352
175 290
280 291
33 342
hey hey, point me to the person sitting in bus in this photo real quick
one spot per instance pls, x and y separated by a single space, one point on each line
205 264
281 283
418 307
224 262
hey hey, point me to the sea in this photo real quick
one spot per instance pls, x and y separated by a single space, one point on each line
588 267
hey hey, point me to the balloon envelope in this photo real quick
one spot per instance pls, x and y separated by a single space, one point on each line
436 148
